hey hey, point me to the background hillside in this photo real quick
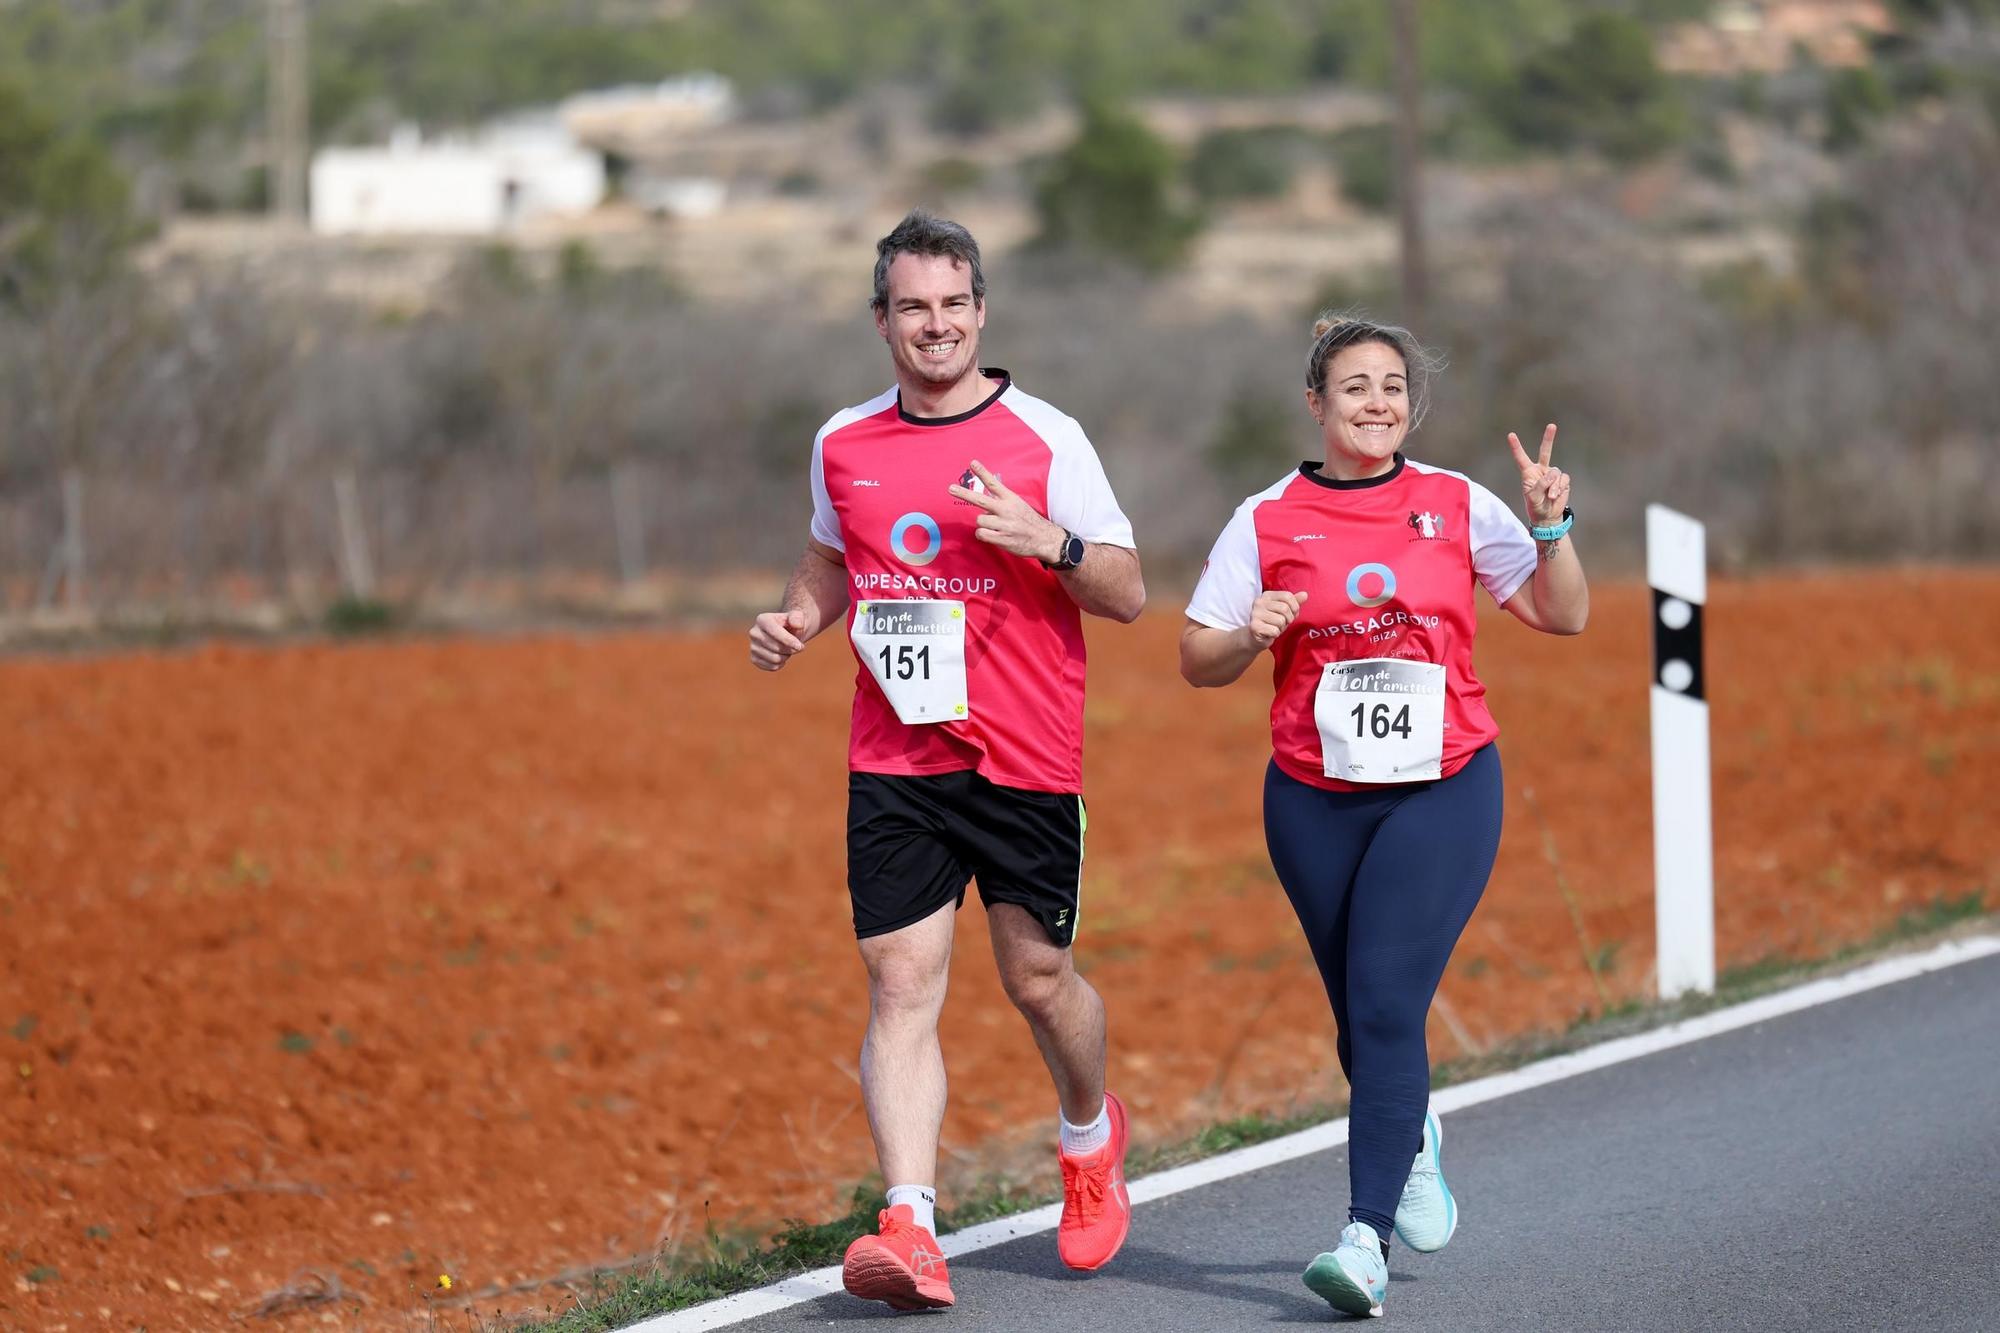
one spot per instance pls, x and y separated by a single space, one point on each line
1742 252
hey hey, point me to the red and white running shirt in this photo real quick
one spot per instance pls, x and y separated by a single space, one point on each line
879 482
1388 565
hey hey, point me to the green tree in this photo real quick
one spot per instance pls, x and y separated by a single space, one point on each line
1672 11
65 209
1854 97
1244 164
1468 46
1367 167
1111 192
1244 46
1598 88
1937 11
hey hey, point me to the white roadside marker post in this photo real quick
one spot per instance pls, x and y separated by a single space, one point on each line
1683 843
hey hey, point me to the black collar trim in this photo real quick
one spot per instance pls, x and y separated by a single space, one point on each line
1311 472
1006 382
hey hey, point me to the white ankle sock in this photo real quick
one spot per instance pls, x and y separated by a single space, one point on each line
922 1200
1077 1140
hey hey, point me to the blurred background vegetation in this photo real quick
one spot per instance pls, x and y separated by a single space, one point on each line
1769 296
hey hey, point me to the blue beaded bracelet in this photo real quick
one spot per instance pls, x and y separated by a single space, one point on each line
1555 531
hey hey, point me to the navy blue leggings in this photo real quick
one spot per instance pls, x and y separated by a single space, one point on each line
1383 882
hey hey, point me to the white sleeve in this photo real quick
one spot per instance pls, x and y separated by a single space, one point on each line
1080 495
825 523
1233 577
1503 554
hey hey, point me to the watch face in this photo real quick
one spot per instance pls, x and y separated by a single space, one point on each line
1073 551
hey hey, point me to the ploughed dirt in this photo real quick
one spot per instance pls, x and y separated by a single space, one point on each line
331 969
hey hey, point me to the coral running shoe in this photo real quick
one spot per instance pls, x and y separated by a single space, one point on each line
901 1264
1097 1211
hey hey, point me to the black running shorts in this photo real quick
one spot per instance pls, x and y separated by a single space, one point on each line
913 842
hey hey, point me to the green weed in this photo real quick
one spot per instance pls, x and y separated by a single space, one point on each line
1605 962
358 615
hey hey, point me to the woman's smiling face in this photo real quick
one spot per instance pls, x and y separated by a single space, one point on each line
1365 411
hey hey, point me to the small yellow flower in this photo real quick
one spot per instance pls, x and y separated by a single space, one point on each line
27 1070
444 1282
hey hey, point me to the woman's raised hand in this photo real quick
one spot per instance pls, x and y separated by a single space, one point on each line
1544 489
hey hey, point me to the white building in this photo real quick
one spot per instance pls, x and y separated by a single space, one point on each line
511 172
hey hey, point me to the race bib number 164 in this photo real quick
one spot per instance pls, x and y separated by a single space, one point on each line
1381 719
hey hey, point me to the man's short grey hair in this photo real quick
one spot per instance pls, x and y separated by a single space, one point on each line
920 233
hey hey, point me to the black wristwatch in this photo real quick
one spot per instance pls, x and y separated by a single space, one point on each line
1072 553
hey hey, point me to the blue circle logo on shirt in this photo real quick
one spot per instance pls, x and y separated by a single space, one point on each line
1355 577
899 539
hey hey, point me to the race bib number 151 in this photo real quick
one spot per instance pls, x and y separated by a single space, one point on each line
1381 719
915 650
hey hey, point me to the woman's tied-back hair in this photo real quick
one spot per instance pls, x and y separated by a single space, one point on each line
1334 330
920 233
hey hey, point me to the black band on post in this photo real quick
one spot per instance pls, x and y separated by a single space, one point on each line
1677 646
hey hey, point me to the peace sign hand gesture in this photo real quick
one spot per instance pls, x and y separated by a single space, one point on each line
1544 489
1009 522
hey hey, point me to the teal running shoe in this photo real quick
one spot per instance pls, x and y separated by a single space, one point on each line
1428 1214
1354 1277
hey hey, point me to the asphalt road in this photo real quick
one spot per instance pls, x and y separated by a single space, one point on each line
1837 1168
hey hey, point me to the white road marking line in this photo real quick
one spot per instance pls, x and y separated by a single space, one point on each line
824 1281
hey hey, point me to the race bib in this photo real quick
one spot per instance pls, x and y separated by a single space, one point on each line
915 650
1381 719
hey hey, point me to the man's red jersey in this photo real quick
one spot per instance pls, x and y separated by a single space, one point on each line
879 484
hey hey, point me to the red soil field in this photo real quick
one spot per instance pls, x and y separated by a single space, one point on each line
361 964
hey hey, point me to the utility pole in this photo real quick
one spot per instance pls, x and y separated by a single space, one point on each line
1409 154
286 126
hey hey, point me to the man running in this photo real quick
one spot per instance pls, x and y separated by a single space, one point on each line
962 525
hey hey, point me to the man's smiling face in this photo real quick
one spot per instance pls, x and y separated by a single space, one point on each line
932 321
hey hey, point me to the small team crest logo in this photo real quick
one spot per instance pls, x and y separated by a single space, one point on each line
970 480
1428 527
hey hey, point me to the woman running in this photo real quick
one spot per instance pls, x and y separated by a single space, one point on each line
1382 799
